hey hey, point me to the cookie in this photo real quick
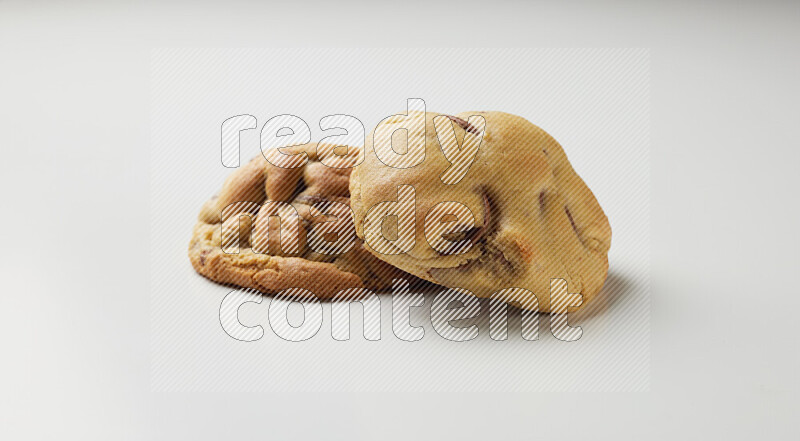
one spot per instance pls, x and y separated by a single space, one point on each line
271 228
516 216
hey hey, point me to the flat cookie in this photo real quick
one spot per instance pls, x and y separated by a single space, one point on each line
238 239
533 218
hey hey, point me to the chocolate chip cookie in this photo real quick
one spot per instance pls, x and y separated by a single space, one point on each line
272 228
515 216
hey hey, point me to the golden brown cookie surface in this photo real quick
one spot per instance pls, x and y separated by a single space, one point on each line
239 239
534 219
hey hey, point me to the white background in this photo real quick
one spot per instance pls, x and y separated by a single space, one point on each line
76 319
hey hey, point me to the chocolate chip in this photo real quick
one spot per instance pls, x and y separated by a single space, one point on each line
464 124
572 221
476 233
541 201
203 255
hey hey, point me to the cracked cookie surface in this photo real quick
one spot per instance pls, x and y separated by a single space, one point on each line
238 239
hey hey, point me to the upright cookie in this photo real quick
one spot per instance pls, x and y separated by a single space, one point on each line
272 228
532 217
